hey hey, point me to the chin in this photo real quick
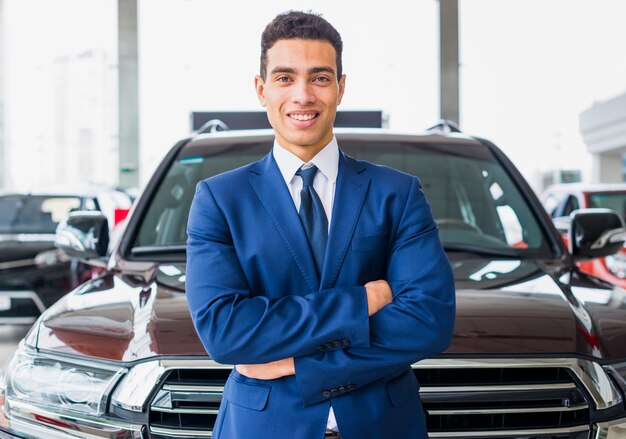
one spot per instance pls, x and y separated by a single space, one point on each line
303 141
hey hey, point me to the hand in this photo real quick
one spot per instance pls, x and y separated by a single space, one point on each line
268 371
378 295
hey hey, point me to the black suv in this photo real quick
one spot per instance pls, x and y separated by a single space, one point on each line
33 273
539 348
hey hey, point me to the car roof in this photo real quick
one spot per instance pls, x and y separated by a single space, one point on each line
81 192
587 187
354 134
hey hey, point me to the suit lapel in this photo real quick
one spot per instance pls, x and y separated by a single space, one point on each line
269 185
350 193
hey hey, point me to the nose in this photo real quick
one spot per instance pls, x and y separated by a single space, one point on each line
303 93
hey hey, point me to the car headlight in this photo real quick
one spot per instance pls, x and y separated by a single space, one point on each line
59 385
616 264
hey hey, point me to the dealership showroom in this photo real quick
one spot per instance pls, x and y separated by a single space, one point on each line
418 208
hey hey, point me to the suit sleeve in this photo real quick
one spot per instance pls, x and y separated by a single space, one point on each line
237 326
418 323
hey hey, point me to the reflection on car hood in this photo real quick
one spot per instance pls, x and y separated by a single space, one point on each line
503 307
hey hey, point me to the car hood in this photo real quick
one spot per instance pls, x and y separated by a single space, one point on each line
509 307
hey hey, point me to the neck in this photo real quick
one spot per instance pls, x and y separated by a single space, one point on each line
304 153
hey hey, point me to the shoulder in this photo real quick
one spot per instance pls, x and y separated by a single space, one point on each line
381 174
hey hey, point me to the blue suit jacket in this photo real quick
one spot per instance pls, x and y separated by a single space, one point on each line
255 296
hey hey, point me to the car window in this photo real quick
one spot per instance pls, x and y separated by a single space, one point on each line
474 201
615 201
34 214
571 204
551 203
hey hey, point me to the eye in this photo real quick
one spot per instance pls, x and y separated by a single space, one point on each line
322 79
282 79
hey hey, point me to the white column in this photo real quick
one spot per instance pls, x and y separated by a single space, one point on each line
449 60
607 168
128 86
3 155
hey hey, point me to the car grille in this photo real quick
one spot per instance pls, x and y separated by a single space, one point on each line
186 405
529 403
491 401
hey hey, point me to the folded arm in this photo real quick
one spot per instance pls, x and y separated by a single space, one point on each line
378 295
416 325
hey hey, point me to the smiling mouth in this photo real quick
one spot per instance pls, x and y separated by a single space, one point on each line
303 117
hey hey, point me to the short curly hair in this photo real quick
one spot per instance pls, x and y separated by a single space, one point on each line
304 25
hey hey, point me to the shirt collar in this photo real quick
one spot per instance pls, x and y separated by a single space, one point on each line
327 161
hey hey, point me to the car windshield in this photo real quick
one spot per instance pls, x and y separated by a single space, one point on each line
476 205
34 213
609 200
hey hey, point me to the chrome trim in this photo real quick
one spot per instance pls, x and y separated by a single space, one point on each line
73 360
511 410
202 363
615 429
135 388
133 391
186 388
13 294
181 433
192 411
496 388
28 419
618 371
510 433
591 374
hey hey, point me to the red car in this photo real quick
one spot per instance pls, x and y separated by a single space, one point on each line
560 200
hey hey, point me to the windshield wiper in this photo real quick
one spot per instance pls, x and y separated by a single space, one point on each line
149 250
483 251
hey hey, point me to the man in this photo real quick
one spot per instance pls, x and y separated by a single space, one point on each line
320 277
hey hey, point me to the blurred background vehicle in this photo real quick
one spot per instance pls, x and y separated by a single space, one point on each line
562 199
33 274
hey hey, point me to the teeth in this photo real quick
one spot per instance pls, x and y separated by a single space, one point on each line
302 116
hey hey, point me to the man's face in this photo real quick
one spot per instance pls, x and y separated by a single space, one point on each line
301 93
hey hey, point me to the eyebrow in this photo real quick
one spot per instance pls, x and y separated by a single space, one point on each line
311 71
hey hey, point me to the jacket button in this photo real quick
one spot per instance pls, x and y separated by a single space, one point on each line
345 342
329 345
333 392
337 344
350 386
326 394
320 348
342 389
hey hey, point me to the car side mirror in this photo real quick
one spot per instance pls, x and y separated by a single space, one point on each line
83 235
592 233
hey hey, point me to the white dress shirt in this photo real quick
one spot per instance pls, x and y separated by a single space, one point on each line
327 162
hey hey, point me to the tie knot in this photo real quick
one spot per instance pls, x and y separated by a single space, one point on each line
307 175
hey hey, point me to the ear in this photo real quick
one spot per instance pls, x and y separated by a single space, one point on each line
342 88
259 86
